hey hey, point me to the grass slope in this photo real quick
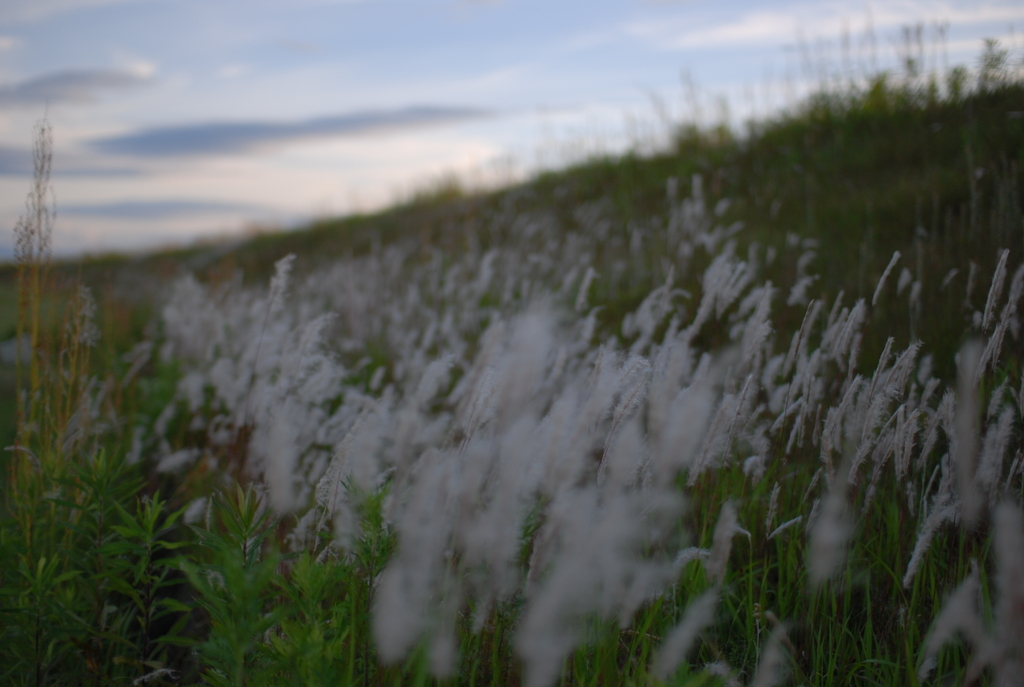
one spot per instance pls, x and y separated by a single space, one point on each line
851 176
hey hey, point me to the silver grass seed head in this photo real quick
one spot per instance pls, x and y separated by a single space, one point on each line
721 543
965 431
885 275
1009 612
772 665
829 535
959 613
905 278
699 614
995 290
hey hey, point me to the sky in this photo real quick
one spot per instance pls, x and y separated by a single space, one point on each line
181 120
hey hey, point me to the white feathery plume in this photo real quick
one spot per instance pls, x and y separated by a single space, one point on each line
814 482
686 424
282 456
754 467
757 329
885 274
279 284
529 349
444 653
624 455
966 432
829 536
1015 466
1003 648
995 400
948 278
724 672
355 464
902 370
812 517
798 347
177 460
959 613
906 433
851 326
434 379
196 510
716 440
771 666
596 565
672 363
637 376
773 504
972 275
410 582
700 613
1020 399
805 259
689 555
1007 322
914 300
733 413
798 292
472 392
883 361
905 278
1013 301
990 355
924 369
1009 611
721 543
832 433
835 313
990 464
995 290
722 283
581 297
738 281
784 416
785 526
944 509
941 417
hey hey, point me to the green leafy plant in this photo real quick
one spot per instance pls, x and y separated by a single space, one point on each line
233 587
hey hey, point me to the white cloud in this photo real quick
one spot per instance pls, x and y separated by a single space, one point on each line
73 85
8 43
141 69
774 26
16 11
231 71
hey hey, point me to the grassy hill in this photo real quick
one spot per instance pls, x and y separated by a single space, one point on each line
675 419
862 173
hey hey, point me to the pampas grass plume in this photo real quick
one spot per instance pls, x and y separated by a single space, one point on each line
699 614
721 543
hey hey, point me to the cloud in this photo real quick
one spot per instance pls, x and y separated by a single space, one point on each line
236 137
17 162
773 26
158 209
34 10
72 85
232 71
8 43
